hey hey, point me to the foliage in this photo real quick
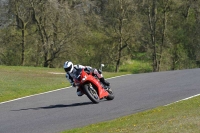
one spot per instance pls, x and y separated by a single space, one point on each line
92 32
135 67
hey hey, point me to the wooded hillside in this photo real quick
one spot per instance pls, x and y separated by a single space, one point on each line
46 33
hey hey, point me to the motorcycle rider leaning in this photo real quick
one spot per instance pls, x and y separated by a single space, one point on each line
71 69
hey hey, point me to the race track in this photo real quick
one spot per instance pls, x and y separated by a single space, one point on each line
60 110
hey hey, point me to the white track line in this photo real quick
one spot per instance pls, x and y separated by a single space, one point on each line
48 92
33 95
183 99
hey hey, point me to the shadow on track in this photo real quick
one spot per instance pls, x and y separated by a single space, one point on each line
57 106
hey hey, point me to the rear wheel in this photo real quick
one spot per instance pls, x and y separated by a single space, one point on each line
91 93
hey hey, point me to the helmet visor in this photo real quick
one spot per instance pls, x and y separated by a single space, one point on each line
68 69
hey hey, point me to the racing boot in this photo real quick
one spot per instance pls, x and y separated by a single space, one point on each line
78 92
104 81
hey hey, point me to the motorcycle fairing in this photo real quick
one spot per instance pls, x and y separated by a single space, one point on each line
102 92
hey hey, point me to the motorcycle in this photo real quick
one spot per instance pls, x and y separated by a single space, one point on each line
91 86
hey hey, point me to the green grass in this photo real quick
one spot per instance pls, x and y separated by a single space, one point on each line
182 117
135 66
17 81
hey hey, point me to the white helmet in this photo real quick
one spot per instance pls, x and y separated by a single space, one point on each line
68 66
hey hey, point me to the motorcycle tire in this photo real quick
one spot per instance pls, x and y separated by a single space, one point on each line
91 93
111 95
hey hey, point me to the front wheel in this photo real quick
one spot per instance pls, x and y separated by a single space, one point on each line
91 93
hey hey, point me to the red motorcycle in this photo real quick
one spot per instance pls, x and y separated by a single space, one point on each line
91 86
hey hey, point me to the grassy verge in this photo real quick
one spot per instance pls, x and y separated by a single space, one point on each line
182 117
135 66
17 81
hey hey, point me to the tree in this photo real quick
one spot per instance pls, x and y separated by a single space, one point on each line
184 35
20 9
91 32
156 13
56 27
119 25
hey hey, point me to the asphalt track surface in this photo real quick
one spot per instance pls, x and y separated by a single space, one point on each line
60 110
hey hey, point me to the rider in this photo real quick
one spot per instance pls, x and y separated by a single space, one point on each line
71 69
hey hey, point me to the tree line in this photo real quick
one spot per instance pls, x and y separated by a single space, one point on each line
46 33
